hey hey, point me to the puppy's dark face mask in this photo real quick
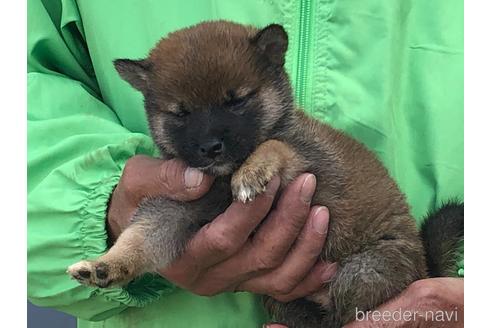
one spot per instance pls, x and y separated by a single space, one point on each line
213 92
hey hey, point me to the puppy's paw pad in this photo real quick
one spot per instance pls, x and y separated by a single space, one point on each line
98 274
103 275
82 272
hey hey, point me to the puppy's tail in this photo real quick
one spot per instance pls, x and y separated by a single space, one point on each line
442 233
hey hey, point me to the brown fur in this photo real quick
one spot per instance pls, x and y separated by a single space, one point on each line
271 158
224 49
119 265
376 242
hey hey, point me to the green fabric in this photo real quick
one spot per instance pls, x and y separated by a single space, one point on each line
390 73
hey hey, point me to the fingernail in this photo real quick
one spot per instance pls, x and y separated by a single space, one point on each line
320 220
329 272
308 187
193 177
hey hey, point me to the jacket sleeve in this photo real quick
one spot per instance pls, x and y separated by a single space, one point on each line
77 149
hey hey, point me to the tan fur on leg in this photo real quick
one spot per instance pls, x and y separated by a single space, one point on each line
271 158
123 262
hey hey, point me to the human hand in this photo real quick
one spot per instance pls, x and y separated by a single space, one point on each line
145 176
435 302
279 260
222 256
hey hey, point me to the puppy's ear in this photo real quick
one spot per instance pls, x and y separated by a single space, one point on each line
272 42
135 72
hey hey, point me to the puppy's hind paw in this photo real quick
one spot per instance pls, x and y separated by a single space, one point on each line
97 274
82 272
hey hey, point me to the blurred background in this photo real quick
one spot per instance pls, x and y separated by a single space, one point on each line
38 317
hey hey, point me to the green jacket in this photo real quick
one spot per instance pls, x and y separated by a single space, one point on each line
390 73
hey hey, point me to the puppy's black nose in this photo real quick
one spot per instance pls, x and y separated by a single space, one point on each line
211 148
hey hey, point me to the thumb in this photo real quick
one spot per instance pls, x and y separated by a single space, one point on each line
181 182
148 177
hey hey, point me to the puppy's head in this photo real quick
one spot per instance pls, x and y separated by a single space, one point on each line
213 91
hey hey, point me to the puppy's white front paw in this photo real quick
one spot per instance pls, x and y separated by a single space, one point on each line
245 194
249 181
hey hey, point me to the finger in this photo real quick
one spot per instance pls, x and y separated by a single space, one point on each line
255 257
313 282
230 230
411 306
146 176
299 261
281 229
224 236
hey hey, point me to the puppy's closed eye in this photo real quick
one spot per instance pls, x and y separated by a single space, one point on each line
236 100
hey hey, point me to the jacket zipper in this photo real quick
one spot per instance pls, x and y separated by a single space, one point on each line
303 51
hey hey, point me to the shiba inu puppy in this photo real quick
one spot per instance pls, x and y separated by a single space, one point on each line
217 96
